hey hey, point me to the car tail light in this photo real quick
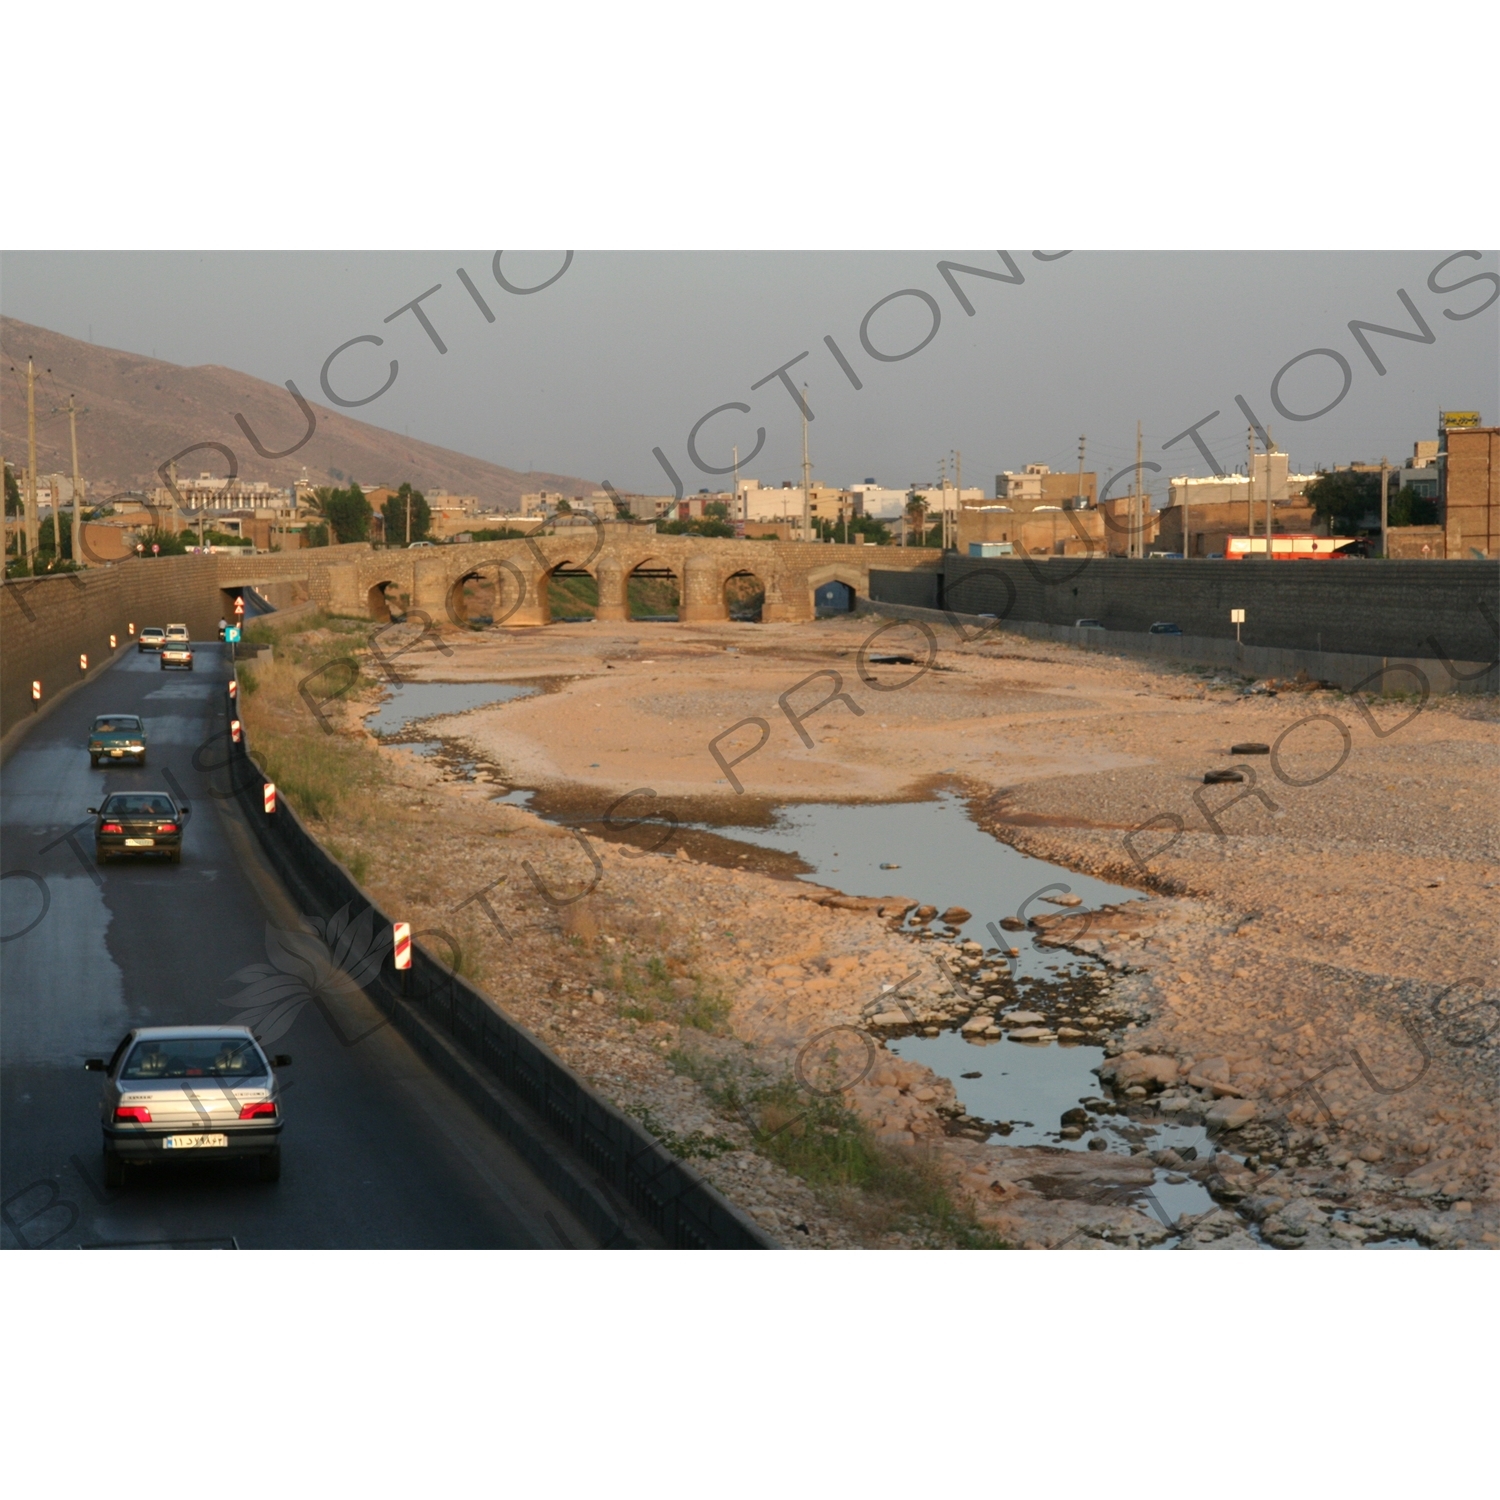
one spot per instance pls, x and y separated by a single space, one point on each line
265 1108
137 1112
112 828
166 828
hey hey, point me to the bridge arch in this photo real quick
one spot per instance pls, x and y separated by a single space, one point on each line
653 589
836 588
744 595
571 591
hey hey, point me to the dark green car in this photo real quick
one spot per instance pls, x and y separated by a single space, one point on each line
139 823
117 737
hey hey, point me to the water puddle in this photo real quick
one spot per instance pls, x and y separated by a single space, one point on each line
410 702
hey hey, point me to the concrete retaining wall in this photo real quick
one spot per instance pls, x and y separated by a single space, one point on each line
47 623
1349 670
1370 609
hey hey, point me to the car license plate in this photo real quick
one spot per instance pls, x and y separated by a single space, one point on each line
140 843
191 1142
117 752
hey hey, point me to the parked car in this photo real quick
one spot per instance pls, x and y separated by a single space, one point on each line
114 736
1166 627
176 654
419 544
1088 624
148 823
174 1090
151 638
178 633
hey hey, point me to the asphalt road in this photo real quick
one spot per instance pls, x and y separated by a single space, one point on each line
377 1151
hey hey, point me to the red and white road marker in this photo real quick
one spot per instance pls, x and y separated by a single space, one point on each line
83 662
36 691
401 931
234 687
235 730
269 794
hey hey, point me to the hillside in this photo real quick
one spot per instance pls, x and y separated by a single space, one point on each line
142 411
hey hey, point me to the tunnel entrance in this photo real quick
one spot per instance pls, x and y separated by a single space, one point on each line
833 598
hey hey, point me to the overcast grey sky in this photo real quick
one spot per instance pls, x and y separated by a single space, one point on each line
624 352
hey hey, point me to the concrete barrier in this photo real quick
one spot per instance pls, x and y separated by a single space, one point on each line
619 1181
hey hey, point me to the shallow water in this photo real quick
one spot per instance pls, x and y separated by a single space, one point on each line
410 702
944 859
941 858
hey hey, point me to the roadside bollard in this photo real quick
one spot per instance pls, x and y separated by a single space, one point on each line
83 662
234 688
235 730
269 796
36 694
112 643
401 954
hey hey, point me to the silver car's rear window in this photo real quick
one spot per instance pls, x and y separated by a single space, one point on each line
194 1057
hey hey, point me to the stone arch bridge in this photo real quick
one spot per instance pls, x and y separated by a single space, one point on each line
357 579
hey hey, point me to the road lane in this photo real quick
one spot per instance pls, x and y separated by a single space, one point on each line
377 1150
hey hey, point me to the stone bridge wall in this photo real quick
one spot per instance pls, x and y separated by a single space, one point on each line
351 580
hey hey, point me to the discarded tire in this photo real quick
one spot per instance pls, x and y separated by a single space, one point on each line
1212 778
1250 749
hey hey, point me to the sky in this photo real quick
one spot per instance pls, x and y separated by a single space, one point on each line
624 352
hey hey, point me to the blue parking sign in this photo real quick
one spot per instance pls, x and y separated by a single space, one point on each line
232 634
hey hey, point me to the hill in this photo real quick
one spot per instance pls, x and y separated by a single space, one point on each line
140 412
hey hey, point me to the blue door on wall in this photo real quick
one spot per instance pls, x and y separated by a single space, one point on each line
834 599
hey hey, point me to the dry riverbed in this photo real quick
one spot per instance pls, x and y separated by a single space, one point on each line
1312 973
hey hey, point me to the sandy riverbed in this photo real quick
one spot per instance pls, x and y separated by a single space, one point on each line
1327 955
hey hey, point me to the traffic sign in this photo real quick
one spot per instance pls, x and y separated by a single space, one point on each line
239 605
232 634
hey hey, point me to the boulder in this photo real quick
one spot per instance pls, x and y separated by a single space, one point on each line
1230 1114
956 915
978 1023
890 1018
1021 1018
1030 1034
1138 1069
1064 900
1012 924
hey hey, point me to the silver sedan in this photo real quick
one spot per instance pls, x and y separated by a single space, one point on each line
194 1093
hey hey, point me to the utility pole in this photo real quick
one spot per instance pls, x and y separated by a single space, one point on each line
406 505
75 542
1187 517
1250 477
1137 547
33 521
1079 501
743 506
958 494
1270 449
806 476
1385 479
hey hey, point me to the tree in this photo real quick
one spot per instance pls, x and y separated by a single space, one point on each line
348 514
1343 499
1409 507
12 493
716 510
564 508
394 511
169 542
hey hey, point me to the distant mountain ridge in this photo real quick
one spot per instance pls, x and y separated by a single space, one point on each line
140 412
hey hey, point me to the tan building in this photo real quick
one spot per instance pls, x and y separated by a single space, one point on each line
1037 533
1037 487
1471 492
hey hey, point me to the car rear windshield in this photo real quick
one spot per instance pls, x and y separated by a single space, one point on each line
194 1057
117 724
153 631
139 805
178 646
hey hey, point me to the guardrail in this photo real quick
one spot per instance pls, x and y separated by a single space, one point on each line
582 1147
